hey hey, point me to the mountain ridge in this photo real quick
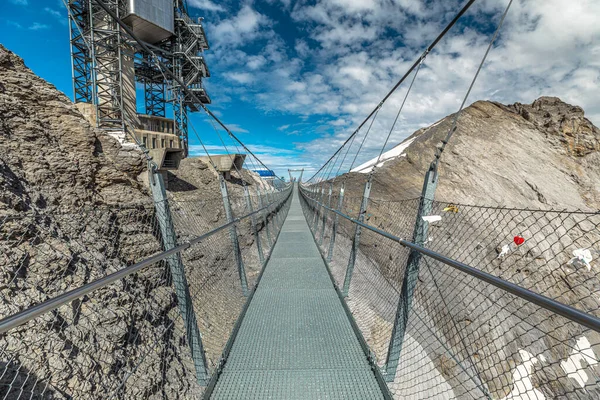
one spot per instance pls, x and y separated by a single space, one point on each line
543 154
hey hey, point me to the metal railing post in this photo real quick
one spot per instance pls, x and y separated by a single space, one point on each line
315 223
250 207
278 215
176 267
335 222
411 274
271 208
325 214
356 240
234 238
264 214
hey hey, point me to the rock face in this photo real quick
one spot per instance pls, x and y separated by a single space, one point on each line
51 157
541 155
71 211
505 179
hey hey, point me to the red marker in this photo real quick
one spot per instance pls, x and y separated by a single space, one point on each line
519 240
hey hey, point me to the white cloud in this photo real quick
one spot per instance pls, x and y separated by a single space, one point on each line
302 48
240 77
53 12
349 53
14 24
60 17
36 26
242 28
256 62
20 2
205 5
237 128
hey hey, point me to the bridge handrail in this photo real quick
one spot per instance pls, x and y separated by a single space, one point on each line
20 318
547 303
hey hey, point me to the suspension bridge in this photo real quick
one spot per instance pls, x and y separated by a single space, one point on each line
299 290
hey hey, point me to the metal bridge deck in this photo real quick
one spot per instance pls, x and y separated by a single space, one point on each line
296 341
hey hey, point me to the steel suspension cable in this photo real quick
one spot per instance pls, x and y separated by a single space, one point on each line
332 166
345 155
398 114
440 150
415 65
364 138
203 146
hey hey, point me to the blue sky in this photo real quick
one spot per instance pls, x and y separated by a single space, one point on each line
294 78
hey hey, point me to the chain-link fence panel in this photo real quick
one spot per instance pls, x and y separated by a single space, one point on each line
45 254
469 339
550 252
464 337
128 338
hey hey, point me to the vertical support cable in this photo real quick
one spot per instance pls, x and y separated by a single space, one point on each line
234 238
411 274
315 223
184 299
264 215
356 240
250 207
335 222
325 213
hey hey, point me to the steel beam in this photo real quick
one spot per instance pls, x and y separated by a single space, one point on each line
356 239
184 299
411 275
234 238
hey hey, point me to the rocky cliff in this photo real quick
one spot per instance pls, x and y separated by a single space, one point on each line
506 178
74 208
51 157
544 154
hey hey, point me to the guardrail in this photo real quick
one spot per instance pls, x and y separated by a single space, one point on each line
439 326
107 330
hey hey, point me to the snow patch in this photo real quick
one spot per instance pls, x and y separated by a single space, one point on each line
432 218
121 137
522 386
573 366
505 251
422 375
387 156
582 256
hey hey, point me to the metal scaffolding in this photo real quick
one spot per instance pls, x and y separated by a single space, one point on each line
107 64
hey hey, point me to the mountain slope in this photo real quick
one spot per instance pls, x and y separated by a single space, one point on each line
527 158
545 154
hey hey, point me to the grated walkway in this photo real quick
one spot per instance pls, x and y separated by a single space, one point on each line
296 341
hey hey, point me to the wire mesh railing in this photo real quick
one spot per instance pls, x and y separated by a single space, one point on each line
90 307
494 303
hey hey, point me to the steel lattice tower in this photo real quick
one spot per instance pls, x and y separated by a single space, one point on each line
107 64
